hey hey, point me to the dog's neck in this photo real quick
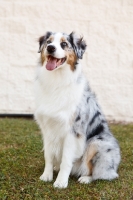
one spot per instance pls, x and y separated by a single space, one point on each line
62 76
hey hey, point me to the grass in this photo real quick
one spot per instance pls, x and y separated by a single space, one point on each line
22 162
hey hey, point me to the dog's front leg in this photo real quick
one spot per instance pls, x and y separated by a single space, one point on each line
48 171
66 163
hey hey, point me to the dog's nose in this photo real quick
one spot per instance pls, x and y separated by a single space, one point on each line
51 49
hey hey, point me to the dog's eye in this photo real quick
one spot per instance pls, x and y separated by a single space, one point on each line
48 41
63 45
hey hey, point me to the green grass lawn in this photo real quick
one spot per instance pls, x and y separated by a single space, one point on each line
22 162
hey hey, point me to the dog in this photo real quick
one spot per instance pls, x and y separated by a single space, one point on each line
76 136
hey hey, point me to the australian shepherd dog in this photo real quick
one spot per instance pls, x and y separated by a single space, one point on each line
75 133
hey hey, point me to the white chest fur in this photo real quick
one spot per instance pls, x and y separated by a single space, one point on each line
58 93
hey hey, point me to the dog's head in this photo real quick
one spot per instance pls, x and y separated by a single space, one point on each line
57 49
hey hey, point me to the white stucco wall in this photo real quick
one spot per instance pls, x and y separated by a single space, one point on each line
107 27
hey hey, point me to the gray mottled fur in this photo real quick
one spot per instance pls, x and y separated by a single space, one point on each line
91 122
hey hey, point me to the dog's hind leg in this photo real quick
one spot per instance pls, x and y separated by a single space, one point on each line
89 155
106 164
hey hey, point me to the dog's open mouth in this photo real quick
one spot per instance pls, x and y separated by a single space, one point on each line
53 63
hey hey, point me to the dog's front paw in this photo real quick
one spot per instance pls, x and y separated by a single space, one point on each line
60 184
46 177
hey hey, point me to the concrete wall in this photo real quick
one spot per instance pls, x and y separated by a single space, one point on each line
107 27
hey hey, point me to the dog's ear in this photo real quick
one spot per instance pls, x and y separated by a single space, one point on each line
42 40
78 45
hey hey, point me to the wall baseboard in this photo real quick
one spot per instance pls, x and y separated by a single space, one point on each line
17 115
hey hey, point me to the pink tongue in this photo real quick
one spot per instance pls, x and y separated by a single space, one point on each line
51 64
